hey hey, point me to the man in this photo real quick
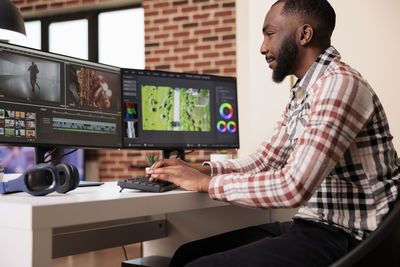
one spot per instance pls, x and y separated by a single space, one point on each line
33 69
331 155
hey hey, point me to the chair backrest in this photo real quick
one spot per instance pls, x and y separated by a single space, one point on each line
381 248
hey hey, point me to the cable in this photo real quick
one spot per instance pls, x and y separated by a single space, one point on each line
191 151
59 157
50 153
126 255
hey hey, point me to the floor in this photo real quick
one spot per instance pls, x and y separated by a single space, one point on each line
111 257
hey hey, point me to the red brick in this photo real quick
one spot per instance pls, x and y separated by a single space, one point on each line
189 9
152 29
229 53
171 43
182 65
170 11
26 8
210 23
117 169
178 3
202 64
134 154
174 58
181 49
161 4
223 29
229 37
188 25
56 5
211 38
181 34
161 21
223 62
181 18
224 45
152 44
192 56
232 4
161 36
210 6
153 60
212 54
41 7
203 47
201 16
125 162
208 31
107 162
223 13
161 51
229 21
190 41
230 70
170 27
163 67
211 71
151 13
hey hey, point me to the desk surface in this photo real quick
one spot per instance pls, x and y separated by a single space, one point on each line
94 204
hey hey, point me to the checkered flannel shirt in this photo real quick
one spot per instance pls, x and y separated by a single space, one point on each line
331 155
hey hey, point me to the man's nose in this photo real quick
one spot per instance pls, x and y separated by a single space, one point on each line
264 48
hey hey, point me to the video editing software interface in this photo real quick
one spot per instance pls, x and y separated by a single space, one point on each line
51 99
178 110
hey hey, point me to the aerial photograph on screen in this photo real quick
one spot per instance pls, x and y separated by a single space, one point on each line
89 87
29 78
166 108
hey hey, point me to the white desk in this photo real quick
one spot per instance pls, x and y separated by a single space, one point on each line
33 230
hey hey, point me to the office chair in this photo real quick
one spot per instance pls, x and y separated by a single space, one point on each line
381 248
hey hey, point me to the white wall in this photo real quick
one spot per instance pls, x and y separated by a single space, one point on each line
260 100
367 36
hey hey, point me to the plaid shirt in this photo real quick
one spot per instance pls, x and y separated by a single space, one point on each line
331 155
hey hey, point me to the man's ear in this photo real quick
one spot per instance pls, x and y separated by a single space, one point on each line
305 33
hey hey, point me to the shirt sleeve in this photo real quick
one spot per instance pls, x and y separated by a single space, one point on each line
271 154
341 106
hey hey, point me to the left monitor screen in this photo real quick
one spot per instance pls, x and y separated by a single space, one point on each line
46 99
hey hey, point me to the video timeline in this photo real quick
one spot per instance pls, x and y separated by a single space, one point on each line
84 126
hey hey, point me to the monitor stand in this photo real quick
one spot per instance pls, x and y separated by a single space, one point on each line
180 153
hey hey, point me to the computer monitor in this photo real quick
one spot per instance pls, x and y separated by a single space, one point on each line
179 111
50 100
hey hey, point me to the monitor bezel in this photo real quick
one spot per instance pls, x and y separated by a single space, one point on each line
182 147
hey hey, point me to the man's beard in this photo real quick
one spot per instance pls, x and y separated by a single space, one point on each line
286 59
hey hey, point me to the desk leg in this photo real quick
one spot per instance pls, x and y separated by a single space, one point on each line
25 248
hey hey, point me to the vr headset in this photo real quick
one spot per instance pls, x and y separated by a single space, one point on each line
43 179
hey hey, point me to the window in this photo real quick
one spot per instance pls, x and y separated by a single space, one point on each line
113 36
121 38
33 35
69 38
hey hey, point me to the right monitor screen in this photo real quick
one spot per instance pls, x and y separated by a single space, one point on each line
164 110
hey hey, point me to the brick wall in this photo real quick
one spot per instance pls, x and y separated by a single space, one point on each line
196 36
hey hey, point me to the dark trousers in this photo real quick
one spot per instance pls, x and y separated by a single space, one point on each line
297 243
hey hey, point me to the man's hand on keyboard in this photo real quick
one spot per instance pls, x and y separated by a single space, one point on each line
181 173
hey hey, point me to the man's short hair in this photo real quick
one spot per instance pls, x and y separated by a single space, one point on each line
318 10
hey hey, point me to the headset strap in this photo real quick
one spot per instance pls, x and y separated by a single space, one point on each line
15 185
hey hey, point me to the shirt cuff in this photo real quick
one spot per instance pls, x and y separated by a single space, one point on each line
216 188
216 167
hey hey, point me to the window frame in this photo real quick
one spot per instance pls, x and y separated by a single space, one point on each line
93 26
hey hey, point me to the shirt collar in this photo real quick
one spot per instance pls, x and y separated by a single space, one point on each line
317 69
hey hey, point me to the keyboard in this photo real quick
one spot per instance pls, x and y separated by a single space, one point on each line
143 183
